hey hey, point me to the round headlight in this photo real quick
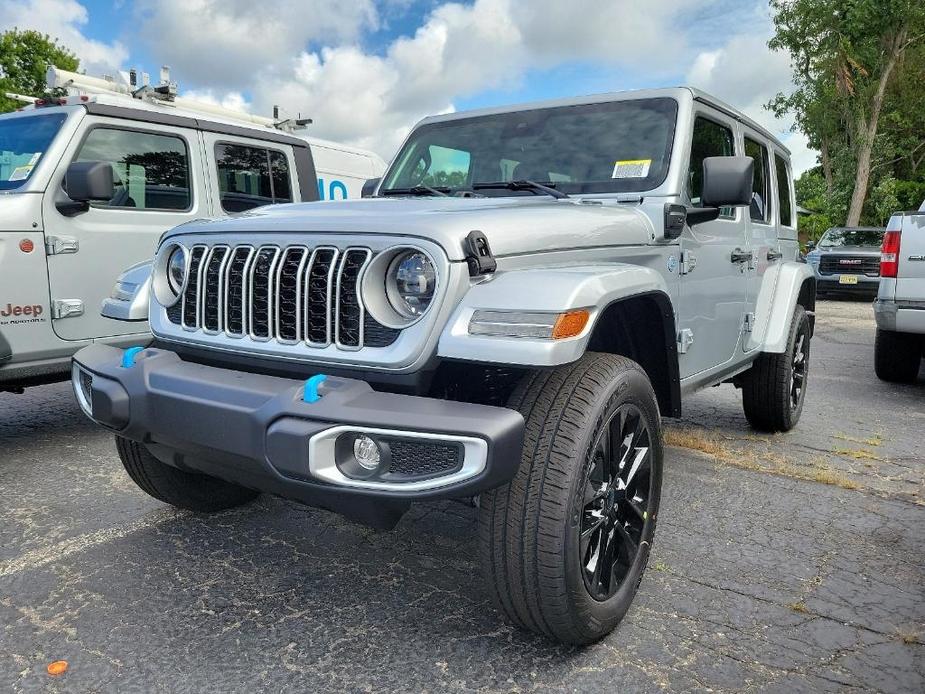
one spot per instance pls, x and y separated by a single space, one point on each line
171 267
410 283
176 270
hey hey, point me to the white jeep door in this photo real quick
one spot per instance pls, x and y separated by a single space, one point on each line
712 282
158 174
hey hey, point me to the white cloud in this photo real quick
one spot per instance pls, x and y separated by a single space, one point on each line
64 20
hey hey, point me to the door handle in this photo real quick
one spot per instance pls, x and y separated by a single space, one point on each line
740 256
774 256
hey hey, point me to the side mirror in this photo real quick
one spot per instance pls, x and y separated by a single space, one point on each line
86 181
369 188
810 245
727 181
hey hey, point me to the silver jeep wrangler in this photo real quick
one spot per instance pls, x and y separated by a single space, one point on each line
526 293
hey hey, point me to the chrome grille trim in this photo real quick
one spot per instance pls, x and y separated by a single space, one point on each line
300 269
226 308
192 294
206 289
252 289
340 299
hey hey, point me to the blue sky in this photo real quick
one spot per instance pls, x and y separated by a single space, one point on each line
366 70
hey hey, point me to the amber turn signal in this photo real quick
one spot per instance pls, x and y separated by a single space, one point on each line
570 324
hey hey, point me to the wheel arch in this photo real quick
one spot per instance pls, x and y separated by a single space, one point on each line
795 285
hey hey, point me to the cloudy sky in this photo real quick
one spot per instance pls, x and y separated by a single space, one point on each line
366 70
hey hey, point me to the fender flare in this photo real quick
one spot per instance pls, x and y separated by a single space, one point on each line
550 289
775 311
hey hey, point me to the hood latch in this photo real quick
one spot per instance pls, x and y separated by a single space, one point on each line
478 254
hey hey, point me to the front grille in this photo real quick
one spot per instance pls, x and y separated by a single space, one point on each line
291 294
416 459
852 265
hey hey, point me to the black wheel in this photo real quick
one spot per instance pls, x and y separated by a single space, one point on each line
177 487
565 543
897 356
774 389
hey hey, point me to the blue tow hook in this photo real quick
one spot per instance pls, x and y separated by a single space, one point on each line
311 394
128 356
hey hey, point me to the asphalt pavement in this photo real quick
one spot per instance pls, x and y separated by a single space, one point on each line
792 562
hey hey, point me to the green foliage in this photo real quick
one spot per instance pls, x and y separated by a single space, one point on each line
24 57
858 67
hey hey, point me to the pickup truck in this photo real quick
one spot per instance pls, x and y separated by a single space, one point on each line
900 305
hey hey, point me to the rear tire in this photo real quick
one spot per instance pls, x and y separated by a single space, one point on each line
565 543
176 487
897 356
774 389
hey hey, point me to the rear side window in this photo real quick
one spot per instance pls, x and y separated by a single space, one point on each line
150 171
710 140
784 187
760 207
249 177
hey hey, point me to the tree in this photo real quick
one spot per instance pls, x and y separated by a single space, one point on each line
846 57
24 57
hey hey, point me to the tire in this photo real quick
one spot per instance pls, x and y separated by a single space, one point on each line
897 356
176 487
774 389
537 564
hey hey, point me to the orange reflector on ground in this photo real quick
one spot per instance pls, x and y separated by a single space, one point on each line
570 324
59 667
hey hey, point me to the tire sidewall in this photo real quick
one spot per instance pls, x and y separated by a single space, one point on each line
800 327
592 617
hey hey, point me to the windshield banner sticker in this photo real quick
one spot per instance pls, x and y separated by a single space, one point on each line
21 173
632 168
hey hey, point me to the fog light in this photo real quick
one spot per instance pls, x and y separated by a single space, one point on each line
366 452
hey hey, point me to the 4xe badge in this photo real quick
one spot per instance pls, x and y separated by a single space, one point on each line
14 314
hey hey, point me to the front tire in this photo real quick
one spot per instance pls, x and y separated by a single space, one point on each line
177 487
897 356
774 389
565 543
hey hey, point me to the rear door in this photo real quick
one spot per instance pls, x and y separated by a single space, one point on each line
712 283
158 174
910 278
245 173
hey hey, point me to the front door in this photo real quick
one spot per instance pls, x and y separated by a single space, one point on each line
158 175
712 288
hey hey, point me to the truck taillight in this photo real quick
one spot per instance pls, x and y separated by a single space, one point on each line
889 254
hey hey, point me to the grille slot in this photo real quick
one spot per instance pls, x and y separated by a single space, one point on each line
290 295
235 286
350 310
190 311
855 265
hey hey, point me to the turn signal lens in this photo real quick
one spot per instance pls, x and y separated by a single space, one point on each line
570 324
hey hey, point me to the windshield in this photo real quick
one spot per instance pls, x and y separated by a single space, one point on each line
853 237
612 147
23 141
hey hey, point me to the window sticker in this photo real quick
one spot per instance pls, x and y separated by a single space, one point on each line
631 168
35 159
20 173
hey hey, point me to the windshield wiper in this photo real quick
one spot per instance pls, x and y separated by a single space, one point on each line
548 187
417 190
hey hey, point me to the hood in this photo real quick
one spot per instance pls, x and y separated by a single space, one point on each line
513 225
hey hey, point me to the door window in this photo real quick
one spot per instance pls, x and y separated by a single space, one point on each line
784 189
760 208
249 177
150 171
710 139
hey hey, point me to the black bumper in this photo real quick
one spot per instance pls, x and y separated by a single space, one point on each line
254 430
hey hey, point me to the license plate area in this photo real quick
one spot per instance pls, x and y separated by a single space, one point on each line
847 279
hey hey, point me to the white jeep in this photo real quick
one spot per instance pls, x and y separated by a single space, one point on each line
526 294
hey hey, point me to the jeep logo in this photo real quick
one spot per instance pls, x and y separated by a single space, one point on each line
11 310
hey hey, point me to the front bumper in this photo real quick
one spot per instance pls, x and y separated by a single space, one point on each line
260 432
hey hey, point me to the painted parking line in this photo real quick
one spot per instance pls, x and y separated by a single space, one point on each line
41 556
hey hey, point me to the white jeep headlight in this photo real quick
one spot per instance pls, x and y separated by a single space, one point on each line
410 283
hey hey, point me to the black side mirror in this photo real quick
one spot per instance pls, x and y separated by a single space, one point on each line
86 181
727 181
369 188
